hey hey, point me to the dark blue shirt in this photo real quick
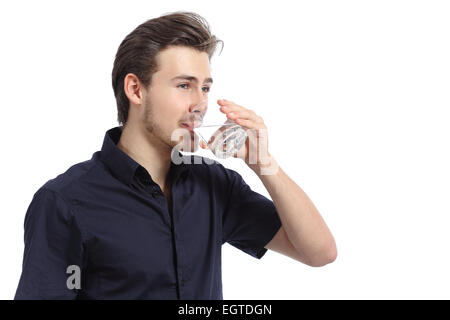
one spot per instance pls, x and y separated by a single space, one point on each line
108 217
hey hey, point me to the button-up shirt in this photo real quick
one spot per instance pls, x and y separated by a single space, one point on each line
106 221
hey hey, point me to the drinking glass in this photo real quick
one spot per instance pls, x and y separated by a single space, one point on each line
223 138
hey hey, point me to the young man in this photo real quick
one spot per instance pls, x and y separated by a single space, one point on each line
130 223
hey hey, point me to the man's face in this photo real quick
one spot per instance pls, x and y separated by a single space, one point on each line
172 104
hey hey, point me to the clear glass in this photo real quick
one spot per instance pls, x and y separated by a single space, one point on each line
224 140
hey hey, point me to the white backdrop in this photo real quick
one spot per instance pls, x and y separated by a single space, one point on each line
355 95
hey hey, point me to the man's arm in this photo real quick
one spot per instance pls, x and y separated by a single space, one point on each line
304 236
52 245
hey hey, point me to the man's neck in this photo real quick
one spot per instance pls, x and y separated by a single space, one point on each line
154 157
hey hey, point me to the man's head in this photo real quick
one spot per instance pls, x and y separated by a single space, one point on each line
148 93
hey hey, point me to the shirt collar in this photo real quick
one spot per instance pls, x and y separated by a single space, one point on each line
124 167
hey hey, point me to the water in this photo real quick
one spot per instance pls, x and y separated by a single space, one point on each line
224 140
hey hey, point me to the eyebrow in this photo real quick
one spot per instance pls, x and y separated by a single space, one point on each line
191 78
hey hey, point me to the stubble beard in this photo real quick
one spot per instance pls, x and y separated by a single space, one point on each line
152 128
156 133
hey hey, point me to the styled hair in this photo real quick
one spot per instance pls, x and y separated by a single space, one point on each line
137 52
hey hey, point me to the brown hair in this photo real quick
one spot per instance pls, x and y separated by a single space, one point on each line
137 52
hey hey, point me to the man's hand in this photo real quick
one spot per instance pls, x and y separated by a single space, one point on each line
255 152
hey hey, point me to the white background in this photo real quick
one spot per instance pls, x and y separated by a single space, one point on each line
355 95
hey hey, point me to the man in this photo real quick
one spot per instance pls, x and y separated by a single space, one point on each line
130 223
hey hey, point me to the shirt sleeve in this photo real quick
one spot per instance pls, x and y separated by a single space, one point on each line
52 244
250 220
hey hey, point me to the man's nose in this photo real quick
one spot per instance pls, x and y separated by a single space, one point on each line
200 106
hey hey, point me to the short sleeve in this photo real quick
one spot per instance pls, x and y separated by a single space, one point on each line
250 220
53 242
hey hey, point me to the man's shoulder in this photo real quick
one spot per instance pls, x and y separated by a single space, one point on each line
53 201
64 183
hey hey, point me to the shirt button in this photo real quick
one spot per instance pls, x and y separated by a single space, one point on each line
154 194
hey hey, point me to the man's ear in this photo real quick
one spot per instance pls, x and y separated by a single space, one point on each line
133 89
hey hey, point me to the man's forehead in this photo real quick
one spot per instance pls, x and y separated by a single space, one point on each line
182 61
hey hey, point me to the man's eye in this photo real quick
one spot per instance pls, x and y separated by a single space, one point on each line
187 84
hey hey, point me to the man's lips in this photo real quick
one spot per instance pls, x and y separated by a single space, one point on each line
189 126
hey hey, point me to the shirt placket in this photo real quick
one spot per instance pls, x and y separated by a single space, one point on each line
156 193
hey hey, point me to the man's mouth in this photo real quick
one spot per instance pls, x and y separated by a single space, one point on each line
189 126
